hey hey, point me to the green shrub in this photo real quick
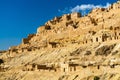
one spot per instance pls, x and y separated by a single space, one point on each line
96 78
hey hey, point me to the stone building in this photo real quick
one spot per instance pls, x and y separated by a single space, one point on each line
29 67
66 17
44 67
115 6
40 29
39 67
101 36
75 15
26 40
64 67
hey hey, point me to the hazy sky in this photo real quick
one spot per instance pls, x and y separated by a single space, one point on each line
18 18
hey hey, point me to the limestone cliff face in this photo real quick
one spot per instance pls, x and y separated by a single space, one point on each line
72 47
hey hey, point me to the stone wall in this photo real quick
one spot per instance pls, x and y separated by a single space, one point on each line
26 40
75 15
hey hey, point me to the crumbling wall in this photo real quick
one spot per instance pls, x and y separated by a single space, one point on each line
26 40
75 15
64 67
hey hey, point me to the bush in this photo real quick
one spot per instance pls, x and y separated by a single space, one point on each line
96 78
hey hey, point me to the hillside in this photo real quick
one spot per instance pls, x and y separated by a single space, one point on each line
70 47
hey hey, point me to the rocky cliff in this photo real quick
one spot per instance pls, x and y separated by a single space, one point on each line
70 47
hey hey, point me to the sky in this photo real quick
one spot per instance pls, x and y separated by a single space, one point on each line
18 18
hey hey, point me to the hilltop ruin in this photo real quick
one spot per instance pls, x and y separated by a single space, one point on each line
70 44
